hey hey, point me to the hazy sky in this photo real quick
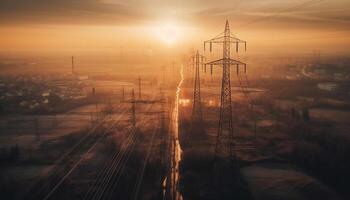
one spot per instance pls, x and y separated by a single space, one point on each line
140 26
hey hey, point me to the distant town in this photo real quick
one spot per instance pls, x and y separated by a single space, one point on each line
41 93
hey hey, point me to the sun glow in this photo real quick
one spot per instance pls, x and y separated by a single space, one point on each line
169 33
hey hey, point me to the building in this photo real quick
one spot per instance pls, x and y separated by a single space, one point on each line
327 86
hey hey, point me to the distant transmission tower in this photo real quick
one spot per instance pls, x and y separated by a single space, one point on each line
72 64
224 144
139 87
197 116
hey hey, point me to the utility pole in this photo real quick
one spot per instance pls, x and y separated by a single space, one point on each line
139 88
72 64
197 116
224 143
133 112
123 94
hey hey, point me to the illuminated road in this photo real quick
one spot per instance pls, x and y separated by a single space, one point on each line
176 147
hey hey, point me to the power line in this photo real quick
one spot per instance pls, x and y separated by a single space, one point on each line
143 168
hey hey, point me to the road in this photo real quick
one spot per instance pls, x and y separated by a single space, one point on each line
175 145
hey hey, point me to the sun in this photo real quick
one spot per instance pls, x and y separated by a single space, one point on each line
168 33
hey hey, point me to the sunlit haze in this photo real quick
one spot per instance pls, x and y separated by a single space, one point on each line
174 99
44 27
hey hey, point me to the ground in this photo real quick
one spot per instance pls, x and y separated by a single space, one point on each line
88 155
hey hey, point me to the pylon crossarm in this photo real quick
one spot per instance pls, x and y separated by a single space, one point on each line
193 59
215 40
219 39
221 62
221 35
230 39
236 62
233 39
236 38
215 62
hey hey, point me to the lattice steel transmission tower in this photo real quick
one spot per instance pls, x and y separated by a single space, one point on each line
73 72
224 145
197 115
139 79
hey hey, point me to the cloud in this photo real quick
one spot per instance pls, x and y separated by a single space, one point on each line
67 12
201 13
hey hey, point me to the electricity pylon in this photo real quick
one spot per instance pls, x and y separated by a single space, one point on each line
139 87
224 143
197 116
73 72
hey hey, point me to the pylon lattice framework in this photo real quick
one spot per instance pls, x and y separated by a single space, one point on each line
197 116
224 143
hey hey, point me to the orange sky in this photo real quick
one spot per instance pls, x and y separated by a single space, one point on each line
156 26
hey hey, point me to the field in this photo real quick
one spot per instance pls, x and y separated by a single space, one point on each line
275 167
94 151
